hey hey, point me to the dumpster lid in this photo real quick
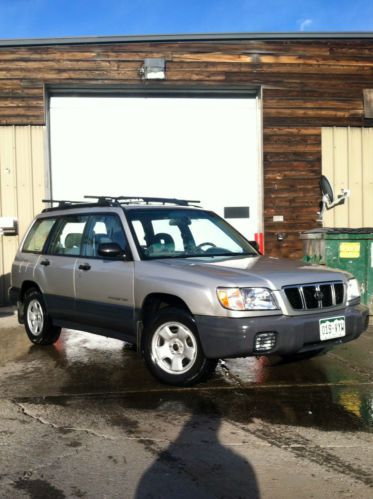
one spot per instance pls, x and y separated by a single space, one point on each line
334 232
340 230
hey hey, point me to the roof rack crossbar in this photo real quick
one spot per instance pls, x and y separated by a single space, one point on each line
64 204
142 199
59 201
104 200
158 200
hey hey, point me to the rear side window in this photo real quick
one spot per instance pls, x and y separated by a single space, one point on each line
38 234
68 236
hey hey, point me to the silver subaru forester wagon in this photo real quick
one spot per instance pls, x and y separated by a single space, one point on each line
177 281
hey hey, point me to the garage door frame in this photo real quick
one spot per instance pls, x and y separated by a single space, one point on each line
153 90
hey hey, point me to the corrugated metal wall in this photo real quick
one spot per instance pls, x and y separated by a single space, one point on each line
22 187
347 160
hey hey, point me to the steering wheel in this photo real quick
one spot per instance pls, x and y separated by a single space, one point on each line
199 246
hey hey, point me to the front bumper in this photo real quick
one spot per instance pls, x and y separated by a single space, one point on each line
223 337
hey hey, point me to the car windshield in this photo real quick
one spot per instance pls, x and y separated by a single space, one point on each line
184 233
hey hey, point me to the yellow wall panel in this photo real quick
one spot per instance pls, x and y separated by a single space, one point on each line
22 186
8 201
8 173
327 142
355 162
24 177
341 171
38 167
347 160
367 191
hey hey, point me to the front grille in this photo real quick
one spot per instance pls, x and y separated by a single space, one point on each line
318 295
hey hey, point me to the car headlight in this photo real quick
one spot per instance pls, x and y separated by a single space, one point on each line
353 289
246 299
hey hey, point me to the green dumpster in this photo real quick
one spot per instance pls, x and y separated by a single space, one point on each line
345 249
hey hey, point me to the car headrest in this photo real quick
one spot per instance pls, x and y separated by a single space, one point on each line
163 242
73 240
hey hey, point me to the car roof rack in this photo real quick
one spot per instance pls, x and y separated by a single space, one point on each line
65 204
116 201
122 200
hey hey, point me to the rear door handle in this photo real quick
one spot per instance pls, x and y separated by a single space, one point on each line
45 263
84 266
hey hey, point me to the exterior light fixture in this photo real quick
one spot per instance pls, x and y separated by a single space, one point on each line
8 226
153 69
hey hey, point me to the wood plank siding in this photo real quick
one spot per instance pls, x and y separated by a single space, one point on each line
306 85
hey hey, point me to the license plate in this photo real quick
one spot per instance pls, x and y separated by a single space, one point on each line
332 328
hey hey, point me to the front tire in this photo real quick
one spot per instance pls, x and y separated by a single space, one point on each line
172 349
38 324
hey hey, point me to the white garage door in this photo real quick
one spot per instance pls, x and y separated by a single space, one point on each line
192 148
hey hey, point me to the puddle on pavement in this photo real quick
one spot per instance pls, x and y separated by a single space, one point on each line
335 408
324 392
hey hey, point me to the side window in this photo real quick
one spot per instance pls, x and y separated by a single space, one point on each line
37 236
103 229
69 235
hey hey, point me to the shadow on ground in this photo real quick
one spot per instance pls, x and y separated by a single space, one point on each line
6 312
198 458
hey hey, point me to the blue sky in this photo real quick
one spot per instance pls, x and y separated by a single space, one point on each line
54 18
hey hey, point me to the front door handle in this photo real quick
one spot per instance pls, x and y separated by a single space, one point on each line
84 266
45 263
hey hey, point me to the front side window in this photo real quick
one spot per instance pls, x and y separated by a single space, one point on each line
68 238
103 229
183 233
38 235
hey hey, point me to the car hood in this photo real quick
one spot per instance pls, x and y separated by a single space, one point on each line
255 271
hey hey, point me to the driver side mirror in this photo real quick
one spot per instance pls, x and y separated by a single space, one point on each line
110 250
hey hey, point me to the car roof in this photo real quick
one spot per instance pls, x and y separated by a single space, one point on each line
87 208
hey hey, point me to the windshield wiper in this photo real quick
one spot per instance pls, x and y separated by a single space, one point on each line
202 255
212 255
236 254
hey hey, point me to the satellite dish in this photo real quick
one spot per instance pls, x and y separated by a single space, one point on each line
326 188
328 201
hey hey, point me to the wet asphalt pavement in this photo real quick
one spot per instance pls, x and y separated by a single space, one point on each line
84 418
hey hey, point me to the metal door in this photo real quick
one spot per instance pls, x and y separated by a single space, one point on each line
104 286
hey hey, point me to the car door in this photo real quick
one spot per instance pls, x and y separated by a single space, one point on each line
105 286
55 269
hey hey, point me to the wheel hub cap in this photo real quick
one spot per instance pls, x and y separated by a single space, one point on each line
35 317
174 348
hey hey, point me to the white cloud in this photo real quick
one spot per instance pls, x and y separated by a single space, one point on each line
304 24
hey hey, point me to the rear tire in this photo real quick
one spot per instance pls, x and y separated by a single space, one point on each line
38 324
172 349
